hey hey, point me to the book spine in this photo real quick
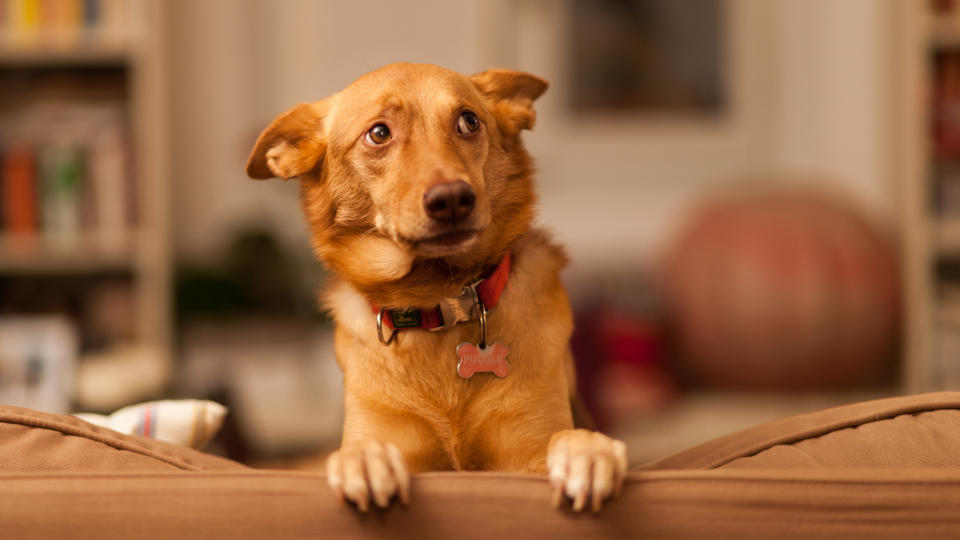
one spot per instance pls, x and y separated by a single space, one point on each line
20 190
108 179
47 163
29 24
946 103
14 29
61 193
93 20
113 20
91 14
48 20
3 183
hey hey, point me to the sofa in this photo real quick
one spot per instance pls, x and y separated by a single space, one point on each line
884 468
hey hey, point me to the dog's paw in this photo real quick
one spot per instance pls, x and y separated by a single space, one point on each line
371 471
585 465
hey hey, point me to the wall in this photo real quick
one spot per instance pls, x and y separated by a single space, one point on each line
811 99
835 97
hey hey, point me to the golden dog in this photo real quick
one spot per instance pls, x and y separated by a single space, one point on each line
419 197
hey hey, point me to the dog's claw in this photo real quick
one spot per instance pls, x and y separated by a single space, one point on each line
369 472
335 474
579 500
602 483
400 473
586 467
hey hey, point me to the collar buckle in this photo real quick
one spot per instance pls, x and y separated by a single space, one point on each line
460 308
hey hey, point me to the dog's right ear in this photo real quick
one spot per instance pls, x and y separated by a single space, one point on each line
293 145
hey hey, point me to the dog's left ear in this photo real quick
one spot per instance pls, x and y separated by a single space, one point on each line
511 95
292 145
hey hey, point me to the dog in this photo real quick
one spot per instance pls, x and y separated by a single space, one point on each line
452 325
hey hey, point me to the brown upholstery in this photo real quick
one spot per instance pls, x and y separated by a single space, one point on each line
32 441
878 469
912 431
683 504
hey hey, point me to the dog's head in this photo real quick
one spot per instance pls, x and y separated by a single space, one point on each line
410 168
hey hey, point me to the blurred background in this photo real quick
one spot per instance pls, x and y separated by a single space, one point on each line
761 199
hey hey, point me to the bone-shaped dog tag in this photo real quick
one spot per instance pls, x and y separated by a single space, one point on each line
492 358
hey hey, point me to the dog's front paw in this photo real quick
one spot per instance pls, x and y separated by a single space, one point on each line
585 465
370 470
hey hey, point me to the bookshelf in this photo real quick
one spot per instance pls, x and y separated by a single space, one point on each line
929 168
83 99
82 55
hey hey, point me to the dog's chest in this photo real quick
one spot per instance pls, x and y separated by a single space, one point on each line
465 413
433 371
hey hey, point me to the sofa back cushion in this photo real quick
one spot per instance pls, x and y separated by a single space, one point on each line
900 432
32 441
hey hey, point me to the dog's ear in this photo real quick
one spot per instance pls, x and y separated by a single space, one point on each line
511 95
293 145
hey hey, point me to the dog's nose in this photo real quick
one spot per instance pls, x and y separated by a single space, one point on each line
449 201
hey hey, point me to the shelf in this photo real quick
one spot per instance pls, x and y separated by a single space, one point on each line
944 34
82 55
78 255
946 236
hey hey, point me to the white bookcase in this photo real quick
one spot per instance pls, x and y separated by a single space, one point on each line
930 236
134 48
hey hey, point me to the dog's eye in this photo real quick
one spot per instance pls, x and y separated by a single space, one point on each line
468 123
378 134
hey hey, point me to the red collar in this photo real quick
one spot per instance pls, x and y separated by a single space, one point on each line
451 311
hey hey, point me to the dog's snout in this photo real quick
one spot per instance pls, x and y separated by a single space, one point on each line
449 201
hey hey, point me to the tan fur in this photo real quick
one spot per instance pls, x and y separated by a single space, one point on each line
364 205
480 423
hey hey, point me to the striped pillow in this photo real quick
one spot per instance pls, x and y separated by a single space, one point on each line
187 422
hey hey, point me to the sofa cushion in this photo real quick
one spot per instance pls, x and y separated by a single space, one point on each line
32 441
899 432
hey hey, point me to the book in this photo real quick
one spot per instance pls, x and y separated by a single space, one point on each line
37 358
19 190
68 23
108 188
62 171
24 21
2 183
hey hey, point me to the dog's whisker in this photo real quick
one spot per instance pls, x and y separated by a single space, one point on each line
450 273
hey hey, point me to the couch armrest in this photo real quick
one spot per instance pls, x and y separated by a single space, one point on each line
683 504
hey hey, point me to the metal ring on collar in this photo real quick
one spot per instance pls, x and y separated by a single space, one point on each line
481 317
380 329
